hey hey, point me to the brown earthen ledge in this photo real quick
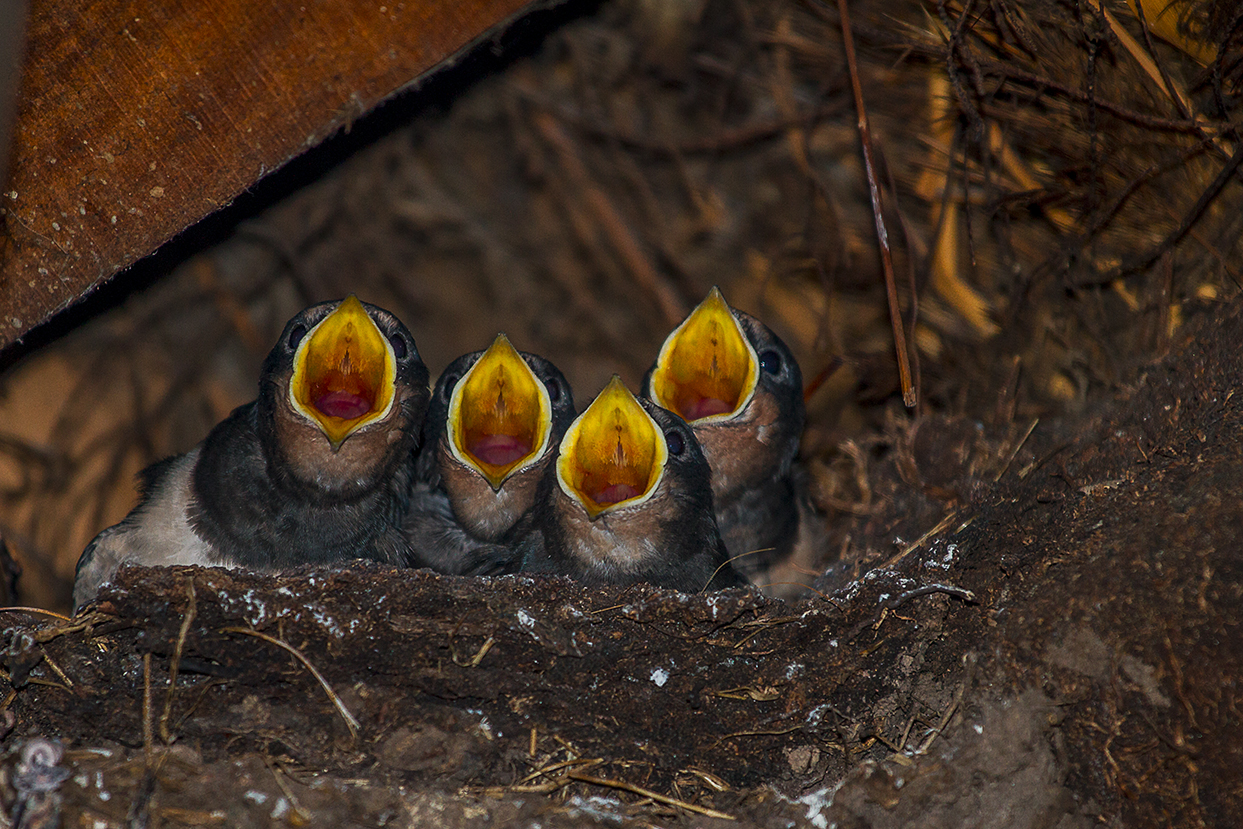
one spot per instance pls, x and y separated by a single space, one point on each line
136 119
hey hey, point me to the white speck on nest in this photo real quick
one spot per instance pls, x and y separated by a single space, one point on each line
816 802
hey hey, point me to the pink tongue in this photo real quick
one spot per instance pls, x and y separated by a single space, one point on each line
499 450
613 494
342 404
705 407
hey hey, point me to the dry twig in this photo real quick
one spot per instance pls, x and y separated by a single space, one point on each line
610 220
186 620
910 394
969 661
639 790
350 722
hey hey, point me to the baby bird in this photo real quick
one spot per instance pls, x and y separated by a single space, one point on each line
628 501
318 469
741 390
492 429
493 425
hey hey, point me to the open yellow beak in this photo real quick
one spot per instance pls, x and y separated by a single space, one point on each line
344 372
614 454
707 369
500 415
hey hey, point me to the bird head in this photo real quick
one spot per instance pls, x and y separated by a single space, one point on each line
500 415
613 455
707 369
344 373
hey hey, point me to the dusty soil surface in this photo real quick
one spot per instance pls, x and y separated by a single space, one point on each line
1062 649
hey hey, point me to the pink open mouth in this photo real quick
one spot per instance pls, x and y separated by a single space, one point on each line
615 493
705 407
342 404
499 450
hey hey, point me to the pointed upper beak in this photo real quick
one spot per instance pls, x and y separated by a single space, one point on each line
707 369
344 373
500 416
614 454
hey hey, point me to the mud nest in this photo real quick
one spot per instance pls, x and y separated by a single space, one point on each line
1026 613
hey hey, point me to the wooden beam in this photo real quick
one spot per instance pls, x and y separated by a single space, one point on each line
137 118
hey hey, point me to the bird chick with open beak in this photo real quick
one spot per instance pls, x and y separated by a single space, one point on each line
739 387
627 501
318 469
492 428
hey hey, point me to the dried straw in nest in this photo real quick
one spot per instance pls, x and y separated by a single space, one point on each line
1059 179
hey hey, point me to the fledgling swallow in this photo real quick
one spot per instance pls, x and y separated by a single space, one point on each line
492 429
434 539
318 469
495 419
740 388
628 501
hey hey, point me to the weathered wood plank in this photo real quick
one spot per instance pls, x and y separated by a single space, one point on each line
138 118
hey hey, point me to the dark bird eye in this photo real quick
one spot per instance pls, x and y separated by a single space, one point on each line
554 389
296 334
449 383
675 442
399 346
770 361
